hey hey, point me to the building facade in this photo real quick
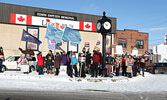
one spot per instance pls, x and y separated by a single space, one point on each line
129 39
15 18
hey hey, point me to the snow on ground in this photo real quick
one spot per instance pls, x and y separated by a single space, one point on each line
19 81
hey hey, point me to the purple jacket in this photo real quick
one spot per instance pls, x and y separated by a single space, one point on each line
63 59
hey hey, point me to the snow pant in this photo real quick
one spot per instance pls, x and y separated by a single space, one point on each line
117 71
71 71
82 69
49 67
0 66
109 67
124 73
95 69
134 69
57 71
40 69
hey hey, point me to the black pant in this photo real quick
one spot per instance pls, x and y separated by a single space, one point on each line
95 69
124 71
134 69
71 70
82 69
68 68
117 71
57 71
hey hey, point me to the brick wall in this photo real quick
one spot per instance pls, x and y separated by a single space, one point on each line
131 36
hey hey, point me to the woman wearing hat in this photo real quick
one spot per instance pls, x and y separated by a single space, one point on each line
57 62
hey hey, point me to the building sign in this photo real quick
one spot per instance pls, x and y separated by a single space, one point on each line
41 14
43 21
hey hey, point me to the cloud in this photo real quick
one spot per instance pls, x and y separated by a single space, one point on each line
158 29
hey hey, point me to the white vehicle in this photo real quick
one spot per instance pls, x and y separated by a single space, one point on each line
11 63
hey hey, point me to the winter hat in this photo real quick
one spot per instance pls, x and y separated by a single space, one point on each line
1 47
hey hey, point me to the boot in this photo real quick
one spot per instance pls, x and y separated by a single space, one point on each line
47 72
51 72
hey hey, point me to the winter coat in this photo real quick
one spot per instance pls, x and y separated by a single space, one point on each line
49 58
22 61
109 60
2 58
57 61
96 57
123 63
142 62
40 60
73 60
88 58
29 53
129 64
63 59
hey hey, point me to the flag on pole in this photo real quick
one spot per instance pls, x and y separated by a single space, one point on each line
54 34
30 38
71 35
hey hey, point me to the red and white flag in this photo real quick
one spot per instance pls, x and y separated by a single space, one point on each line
87 26
20 19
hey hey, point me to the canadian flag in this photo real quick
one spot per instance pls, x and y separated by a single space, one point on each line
20 19
88 26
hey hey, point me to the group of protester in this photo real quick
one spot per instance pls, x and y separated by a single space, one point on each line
88 64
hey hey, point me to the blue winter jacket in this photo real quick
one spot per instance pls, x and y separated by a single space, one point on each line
73 60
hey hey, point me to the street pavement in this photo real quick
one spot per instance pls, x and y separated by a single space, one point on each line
78 95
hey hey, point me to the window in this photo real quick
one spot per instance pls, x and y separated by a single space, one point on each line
122 42
139 44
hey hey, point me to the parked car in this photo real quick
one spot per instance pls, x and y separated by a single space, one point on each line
11 63
157 68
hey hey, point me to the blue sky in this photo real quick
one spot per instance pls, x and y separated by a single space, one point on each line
144 15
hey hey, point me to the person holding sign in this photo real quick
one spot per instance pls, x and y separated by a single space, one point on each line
129 64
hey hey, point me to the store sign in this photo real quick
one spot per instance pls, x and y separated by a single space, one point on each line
41 14
43 21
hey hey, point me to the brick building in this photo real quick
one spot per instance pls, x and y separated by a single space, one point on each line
130 39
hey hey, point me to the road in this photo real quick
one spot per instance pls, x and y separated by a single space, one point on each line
80 95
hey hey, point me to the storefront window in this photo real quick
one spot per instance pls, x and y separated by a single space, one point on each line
122 42
139 44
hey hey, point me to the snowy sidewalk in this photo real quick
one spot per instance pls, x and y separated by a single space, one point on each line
19 81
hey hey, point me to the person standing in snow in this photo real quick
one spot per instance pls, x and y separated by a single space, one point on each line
49 58
129 64
2 58
63 58
68 63
134 67
96 61
142 64
82 63
57 62
109 60
73 64
40 63
124 67
88 61
23 64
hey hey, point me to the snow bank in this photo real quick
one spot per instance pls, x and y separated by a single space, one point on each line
17 80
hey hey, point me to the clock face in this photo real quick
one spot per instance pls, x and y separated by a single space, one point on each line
98 26
107 25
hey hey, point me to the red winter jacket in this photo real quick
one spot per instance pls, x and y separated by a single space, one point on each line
96 57
40 60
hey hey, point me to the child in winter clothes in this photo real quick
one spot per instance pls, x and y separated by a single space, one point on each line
73 64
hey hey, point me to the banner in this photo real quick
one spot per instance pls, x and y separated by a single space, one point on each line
54 34
29 38
71 35
53 44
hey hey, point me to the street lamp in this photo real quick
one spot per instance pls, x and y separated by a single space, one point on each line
104 27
